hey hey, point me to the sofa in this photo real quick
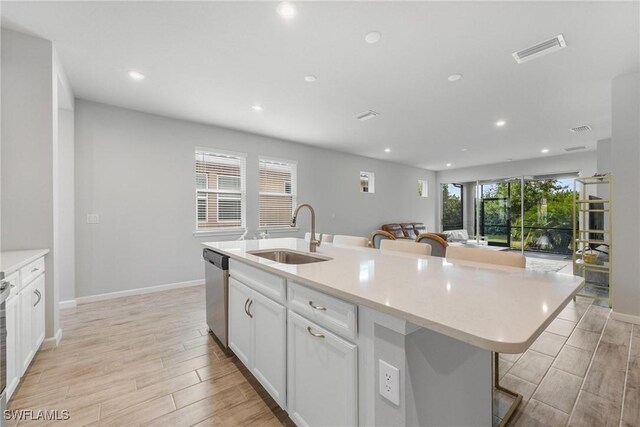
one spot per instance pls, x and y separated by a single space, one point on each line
405 230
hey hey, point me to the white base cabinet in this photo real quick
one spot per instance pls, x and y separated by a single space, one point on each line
25 320
257 335
322 376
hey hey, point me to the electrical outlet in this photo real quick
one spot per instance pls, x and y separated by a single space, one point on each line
93 219
389 382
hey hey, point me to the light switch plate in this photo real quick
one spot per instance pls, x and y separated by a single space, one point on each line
93 219
389 382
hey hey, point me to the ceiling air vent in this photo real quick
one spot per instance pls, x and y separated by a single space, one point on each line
581 147
366 115
540 49
585 128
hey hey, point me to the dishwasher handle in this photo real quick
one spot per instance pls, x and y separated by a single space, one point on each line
219 260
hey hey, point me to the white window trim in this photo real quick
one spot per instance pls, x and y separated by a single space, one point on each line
243 196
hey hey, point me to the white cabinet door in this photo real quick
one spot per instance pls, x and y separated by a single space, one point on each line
322 376
240 322
27 350
269 356
13 344
37 329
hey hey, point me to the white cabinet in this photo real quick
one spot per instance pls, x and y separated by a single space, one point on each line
322 376
25 320
240 321
257 335
14 368
27 349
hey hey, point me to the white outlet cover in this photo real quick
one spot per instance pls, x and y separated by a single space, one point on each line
389 382
93 219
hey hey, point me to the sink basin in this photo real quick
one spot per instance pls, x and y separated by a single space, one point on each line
286 256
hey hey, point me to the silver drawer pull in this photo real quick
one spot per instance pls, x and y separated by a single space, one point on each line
317 307
315 334
249 309
39 295
35 269
3 285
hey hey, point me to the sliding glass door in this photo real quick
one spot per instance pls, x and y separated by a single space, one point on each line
452 207
530 213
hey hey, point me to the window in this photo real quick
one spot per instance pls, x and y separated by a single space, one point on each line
367 182
220 190
277 192
452 207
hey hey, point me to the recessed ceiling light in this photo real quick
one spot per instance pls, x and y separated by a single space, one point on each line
500 123
464 149
310 78
454 77
136 75
256 107
544 150
387 150
287 10
373 37
448 165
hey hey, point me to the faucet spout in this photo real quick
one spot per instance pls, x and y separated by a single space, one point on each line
313 242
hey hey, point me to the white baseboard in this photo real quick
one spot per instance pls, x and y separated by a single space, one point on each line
67 304
629 318
138 291
53 341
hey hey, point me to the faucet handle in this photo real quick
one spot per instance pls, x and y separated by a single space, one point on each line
319 240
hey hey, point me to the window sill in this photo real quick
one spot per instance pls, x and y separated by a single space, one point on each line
223 232
284 229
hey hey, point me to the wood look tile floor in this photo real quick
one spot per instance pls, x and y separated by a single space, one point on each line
148 360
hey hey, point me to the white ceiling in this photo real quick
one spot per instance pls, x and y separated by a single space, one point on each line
211 61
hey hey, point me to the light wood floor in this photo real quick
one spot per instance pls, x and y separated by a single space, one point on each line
148 360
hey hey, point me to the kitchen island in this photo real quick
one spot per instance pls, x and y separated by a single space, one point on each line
373 338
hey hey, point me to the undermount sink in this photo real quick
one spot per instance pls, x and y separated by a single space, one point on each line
286 256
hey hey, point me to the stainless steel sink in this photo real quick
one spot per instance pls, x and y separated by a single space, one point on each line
286 256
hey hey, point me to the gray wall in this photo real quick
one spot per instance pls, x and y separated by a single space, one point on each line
29 139
136 171
625 158
65 205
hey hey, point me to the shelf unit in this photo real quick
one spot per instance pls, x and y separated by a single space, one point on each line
592 234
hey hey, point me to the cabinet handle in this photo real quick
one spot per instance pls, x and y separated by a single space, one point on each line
245 307
35 269
3 285
317 307
315 334
39 295
249 309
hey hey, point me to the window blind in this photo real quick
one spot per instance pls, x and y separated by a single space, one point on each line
278 188
220 190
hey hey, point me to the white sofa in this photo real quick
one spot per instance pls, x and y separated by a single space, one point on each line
462 236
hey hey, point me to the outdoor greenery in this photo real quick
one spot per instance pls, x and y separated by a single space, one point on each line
451 207
547 214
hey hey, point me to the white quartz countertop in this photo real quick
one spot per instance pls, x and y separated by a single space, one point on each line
11 261
502 309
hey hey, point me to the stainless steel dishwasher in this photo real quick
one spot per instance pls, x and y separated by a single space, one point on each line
216 273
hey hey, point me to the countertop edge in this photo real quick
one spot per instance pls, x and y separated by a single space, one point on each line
486 344
34 254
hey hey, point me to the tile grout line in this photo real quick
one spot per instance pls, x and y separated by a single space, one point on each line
593 356
626 375
550 366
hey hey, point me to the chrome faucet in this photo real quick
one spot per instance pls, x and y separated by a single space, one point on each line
313 242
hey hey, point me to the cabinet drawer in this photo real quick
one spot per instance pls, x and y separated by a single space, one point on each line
264 282
332 313
13 280
31 271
